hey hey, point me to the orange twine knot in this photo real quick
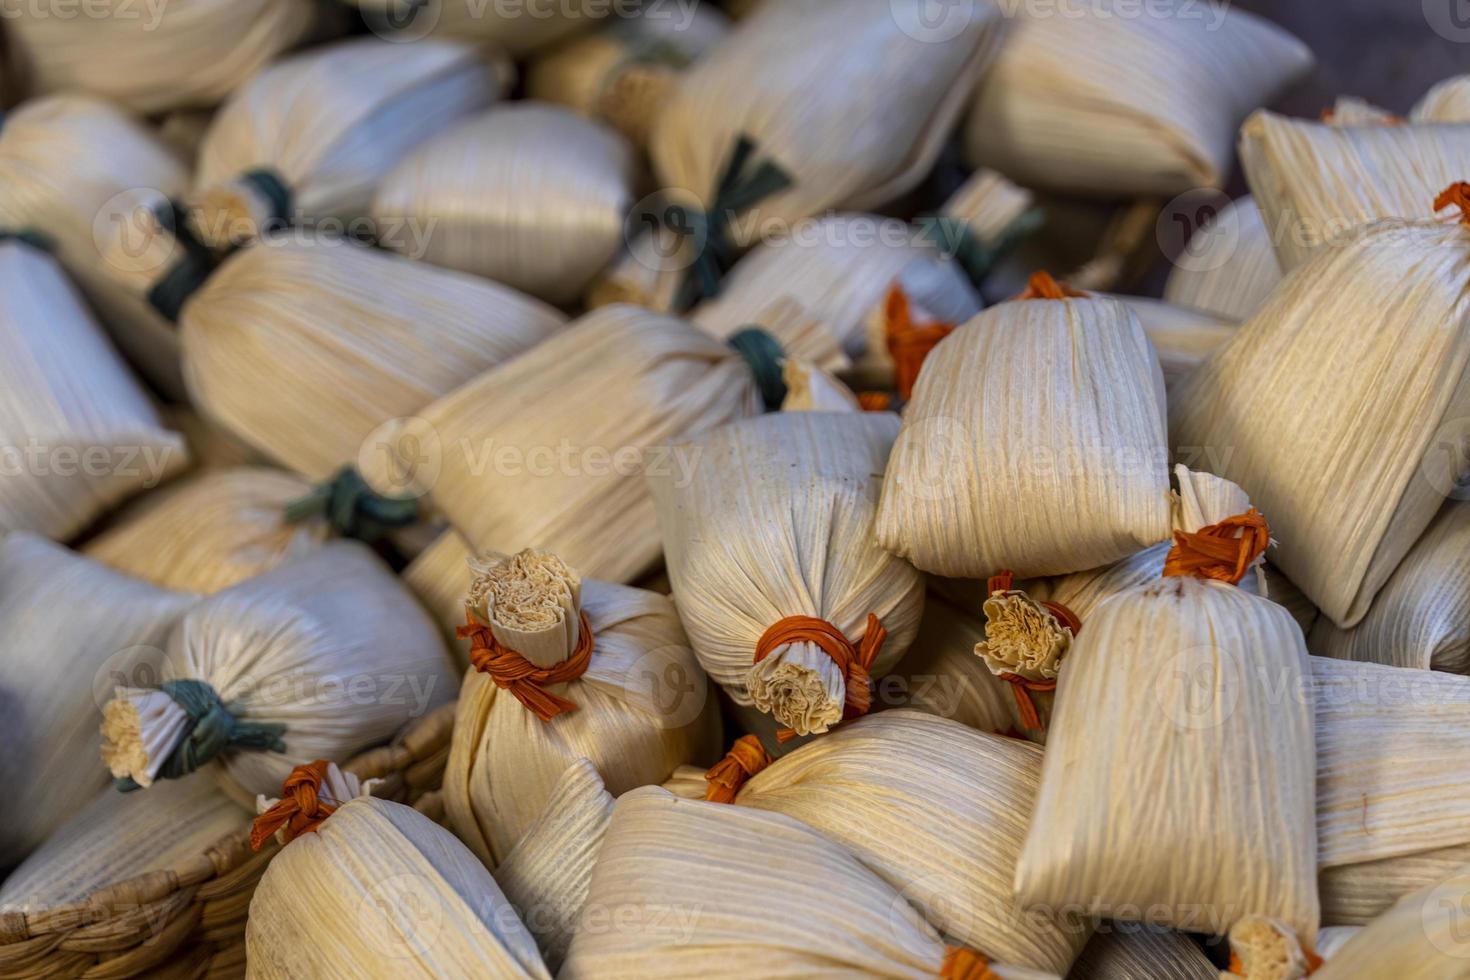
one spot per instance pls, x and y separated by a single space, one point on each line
745 758
908 344
512 672
965 964
1042 286
1455 195
875 401
1024 687
299 810
1223 552
1313 961
855 661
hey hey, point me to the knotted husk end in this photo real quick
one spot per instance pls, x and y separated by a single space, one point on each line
531 601
229 214
632 99
1263 948
139 728
804 697
1022 637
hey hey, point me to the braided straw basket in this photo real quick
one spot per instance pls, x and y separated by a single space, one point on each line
189 921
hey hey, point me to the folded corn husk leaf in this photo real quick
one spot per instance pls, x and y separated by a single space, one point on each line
412 899
69 630
211 531
941 674
1132 951
311 137
1229 266
1057 405
1421 617
1422 937
527 194
64 159
531 461
642 707
516 28
792 902
1449 101
437 578
118 836
151 58
1356 894
940 813
318 659
78 434
1101 98
1182 338
1395 381
547 874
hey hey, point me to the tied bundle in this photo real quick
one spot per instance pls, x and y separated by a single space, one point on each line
550 449
322 657
792 902
1229 763
516 29
789 603
65 159
563 669
809 106
528 195
1396 381
310 137
1262 948
211 531
69 628
940 813
395 886
1091 98
1035 441
184 53
79 432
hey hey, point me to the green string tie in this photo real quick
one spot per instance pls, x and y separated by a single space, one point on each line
353 509
33 237
212 729
272 186
764 355
956 239
184 278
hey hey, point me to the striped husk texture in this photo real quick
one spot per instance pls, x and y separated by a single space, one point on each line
1422 937
1229 266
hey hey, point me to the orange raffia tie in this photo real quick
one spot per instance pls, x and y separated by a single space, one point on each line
1455 195
965 964
299 810
514 673
745 758
875 401
1024 687
908 344
1313 962
1222 552
1042 286
855 661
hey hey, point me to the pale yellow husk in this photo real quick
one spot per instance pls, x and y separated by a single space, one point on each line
1132 951
1182 337
514 27
1229 266
1449 101
1422 937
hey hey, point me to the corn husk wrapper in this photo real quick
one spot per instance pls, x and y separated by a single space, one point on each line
71 630
528 195
117 836
530 460
64 159
1396 381
940 813
1421 617
547 874
330 124
776 521
515 28
211 447
183 130
643 704
709 889
1422 937
437 578
1449 101
1098 97
1229 770
1133 951
331 647
211 531
1182 338
1055 403
1356 894
1229 266
78 434
941 675
414 902
155 57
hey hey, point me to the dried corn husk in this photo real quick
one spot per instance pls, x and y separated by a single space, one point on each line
210 446
1421 617
792 903
1181 337
311 137
1356 894
1103 97
1394 382
151 57
1130 951
1229 266
547 874
940 813
211 531
1317 184
78 434
515 27
117 836
533 458
642 706
69 630
1449 101
63 161
1420 938
407 897
528 195
1263 948
319 658
775 522
1057 403
1228 771
941 674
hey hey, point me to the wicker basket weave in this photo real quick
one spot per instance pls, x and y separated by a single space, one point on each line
189 921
